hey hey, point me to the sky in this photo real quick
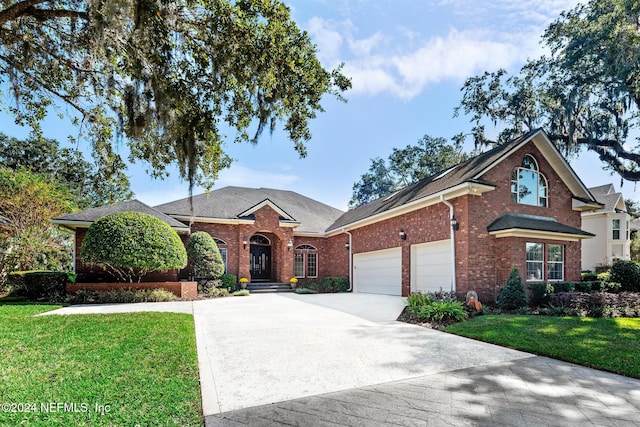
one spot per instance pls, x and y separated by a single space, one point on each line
407 60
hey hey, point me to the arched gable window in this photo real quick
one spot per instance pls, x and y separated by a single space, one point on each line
305 261
259 239
222 246
528 185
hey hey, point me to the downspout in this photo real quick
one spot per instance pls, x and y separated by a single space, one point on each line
350 260
453 243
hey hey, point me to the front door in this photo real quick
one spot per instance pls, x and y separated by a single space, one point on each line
260 262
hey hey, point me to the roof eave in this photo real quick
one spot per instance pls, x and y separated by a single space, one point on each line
74 225
466 188
583 205
540 234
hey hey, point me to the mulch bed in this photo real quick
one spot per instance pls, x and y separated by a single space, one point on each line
407 317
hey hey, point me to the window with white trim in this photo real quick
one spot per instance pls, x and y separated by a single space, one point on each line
528 185
305 261
615 228
555 262
535 261
222 247
545 261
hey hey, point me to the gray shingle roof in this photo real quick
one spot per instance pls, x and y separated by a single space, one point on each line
91 215
510 220
606 195
443 180
230 202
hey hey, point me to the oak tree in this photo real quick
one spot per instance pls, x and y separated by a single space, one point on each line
585 93
168 78
406 166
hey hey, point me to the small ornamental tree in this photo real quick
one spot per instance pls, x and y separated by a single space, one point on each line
204 256
514 295
129 245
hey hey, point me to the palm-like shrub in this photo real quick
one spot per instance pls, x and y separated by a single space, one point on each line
514 295
204 256
129 245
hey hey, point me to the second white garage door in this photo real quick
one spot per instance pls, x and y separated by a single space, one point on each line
431 266
378 272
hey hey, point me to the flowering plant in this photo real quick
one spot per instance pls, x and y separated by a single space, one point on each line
293 280
244 280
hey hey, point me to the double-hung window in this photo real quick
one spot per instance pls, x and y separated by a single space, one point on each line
528 185
538 269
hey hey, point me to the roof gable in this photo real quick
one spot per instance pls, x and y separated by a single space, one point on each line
465 178
607 196
237 204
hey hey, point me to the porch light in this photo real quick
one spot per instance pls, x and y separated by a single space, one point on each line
454 223
289 244
346 246
244 242
402 234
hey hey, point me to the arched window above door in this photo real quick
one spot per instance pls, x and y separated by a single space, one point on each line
259 239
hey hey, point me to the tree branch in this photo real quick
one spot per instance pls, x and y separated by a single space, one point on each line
27 8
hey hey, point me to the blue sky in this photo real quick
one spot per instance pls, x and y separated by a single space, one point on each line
407 60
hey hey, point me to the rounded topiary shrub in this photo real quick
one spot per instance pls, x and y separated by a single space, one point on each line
514 295
204 256
130 244
627 273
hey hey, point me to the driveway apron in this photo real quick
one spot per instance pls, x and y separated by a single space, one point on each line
276 347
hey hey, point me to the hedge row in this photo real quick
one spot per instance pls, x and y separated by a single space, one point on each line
40 285
597 304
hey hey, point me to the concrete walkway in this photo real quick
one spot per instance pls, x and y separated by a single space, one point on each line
341 359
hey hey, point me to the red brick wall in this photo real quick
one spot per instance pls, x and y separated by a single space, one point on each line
482 261
179 289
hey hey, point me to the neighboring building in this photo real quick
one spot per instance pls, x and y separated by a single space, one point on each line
518 205
611 226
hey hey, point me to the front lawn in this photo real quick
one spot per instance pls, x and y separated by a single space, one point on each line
98 370
609 344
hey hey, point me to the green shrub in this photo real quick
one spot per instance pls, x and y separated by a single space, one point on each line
218 292
85 296
128 245
229 282
205 285
417 300
613 287
605 276
204 256
241 293
442 311
305 291
563 287
39 285
627 273
588 276
540 293
335 283
513 295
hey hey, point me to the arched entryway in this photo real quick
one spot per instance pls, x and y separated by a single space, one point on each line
260 258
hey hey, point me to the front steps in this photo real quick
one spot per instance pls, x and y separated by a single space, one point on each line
265 287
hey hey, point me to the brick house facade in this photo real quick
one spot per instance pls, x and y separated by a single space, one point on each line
518 205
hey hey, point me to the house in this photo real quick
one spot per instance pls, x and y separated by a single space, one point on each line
611 226
462 229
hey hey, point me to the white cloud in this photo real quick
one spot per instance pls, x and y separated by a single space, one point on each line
453 57
498 34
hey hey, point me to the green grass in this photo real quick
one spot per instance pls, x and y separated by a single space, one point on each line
141 367
606 344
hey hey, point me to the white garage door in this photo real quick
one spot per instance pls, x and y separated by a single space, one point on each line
378 272
431 266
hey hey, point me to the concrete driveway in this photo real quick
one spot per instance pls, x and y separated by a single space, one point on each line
342 360
277 347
